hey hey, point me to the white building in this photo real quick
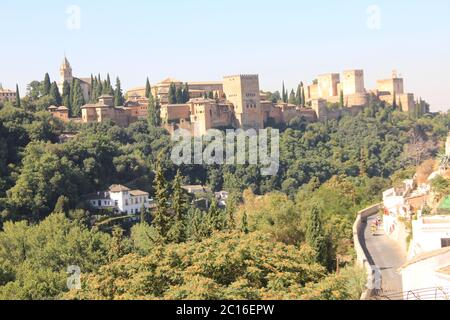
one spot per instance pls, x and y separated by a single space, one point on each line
430 233
427 277
121 199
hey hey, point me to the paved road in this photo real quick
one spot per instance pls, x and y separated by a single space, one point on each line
387 255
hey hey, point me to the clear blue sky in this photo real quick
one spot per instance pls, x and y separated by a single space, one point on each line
204 39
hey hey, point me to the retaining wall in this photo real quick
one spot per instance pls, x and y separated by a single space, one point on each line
361 257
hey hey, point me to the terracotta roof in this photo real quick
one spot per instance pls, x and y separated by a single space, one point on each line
118 188
63 108
137 193
52 108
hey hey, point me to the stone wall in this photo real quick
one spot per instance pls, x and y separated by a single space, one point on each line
361 255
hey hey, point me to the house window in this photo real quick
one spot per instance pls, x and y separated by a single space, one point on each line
445 243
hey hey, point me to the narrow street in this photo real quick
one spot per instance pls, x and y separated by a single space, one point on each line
387 255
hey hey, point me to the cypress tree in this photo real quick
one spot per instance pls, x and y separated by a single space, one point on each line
177 231
54 93
179 95
18 104
108 84
77 98
231 208
148 89
143 214
298 96
341 99
285 94
118 95
92 95
214 217
303 96
161 218
211 95
172 94
292 99
186 97
153 117
46 85
99 90
314 235
66 95
117 248
244 223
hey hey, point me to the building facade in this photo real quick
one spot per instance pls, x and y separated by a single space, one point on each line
243 92
121 199
105 110
7 95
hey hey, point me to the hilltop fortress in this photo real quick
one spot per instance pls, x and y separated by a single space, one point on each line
238 102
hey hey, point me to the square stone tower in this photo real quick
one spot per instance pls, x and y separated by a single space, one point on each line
243 92
353 82
328 85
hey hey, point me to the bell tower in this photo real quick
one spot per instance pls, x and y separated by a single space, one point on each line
66 71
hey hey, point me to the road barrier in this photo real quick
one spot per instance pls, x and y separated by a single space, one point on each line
362 259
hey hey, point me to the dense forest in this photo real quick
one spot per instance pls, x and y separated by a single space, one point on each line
280 237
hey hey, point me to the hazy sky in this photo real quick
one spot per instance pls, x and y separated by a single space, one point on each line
198 40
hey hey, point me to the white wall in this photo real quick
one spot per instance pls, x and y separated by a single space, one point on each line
423 275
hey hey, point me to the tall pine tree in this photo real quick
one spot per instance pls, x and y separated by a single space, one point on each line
148 89
161 219
46 85
66 95
18 104
314 235
172 94
54 93
118 94
179 206
153 112
77 98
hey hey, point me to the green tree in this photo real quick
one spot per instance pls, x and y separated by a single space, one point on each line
153 112
341 99
179 204
179 95
46 84
244 223
292 98
54 93
66 95
186 97
18 104
118 94
161 219
303 96
77 98
314 235
117 247
172 94
148 89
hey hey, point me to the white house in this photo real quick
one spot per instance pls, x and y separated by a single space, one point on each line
121 199
427 276
430 233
